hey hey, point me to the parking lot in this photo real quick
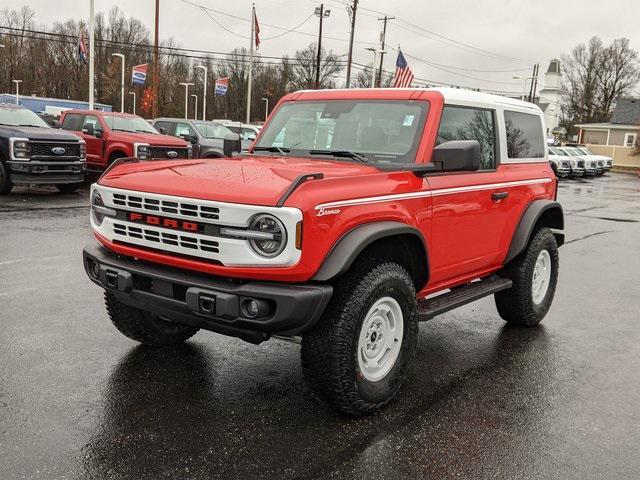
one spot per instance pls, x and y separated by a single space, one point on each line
79 400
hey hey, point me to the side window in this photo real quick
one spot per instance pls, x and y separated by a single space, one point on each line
71 122
462 123
93 121
524 135
182 128
233 128
248 134
168 126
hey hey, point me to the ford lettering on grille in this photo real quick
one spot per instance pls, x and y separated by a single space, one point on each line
173 223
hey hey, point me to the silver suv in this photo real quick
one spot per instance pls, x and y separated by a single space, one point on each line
207 138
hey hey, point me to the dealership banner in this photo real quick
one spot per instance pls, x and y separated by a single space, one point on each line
139 74
222 85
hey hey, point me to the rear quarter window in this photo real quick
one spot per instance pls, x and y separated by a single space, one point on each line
525 138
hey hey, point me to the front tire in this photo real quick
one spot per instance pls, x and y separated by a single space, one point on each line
5 181
357 356
535 275
145 327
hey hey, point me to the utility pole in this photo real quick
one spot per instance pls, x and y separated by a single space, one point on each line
156 62
533 76
535 82
382 52
92 41
353 10
321 12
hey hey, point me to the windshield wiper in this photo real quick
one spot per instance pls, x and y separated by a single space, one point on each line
341 153
280 150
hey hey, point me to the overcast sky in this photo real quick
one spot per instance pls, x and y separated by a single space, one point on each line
525 31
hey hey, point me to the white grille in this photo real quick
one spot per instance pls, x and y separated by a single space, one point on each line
165 238
170 207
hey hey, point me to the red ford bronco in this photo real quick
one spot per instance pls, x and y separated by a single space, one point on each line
110 136
357 214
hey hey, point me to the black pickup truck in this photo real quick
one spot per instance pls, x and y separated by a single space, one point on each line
31 152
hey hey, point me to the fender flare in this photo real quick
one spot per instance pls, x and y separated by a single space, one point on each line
528 221
352 243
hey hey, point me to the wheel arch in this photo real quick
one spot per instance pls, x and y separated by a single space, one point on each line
539 213
390 240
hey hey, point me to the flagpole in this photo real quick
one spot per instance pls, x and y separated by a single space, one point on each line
253 17
92 27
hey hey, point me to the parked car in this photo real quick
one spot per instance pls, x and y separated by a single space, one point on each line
110 136
607 162
561 163
31 152
590 165
207 137
405 208
247 131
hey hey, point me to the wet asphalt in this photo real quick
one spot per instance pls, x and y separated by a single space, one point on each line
78 400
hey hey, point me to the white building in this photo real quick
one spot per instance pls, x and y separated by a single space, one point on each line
549 100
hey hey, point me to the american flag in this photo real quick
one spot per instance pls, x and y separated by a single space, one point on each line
82 48
404 75
256 27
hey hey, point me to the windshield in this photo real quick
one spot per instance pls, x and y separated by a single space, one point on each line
557 151
21 117
572 152
586 151
374 130
212 130
129 124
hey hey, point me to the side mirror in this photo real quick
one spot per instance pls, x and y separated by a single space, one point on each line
97 133
251 137
457 156
162 130
56 124
88 129
231 144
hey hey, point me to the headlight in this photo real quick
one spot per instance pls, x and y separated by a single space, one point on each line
98 209
267 235
143 151
190 151
20 149
83 149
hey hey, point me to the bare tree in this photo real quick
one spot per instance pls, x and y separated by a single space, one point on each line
595 77
304 68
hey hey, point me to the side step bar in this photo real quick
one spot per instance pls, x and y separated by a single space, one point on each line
429 308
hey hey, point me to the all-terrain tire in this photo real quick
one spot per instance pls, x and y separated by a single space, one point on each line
68 188
516 305
330 350
5 182
145 327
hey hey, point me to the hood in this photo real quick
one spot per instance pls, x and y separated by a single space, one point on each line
255 180
37 133
150 138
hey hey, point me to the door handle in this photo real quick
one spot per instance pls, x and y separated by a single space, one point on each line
495 196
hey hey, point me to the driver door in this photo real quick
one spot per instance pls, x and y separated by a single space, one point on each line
95 142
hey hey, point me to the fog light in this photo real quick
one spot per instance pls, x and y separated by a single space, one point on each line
95 268
254 308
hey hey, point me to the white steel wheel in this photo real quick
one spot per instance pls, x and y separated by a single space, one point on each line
380 339
541 277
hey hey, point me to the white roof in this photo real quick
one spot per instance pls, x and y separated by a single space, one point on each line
460 95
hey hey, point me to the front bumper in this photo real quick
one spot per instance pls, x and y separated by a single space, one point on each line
577 172
563 172
43 172
211 303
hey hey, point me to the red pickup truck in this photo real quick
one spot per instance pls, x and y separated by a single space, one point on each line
357 214
111 135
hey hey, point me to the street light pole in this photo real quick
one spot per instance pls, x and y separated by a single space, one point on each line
204 94
92 42
17 82
524 86
195 112
121 56
186 97
134 101
266 108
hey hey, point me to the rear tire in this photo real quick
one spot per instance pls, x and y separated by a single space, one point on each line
535 275
145 327
68 188
345 359
5 182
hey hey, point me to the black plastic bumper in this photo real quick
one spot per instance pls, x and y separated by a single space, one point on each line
43 172
211 303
